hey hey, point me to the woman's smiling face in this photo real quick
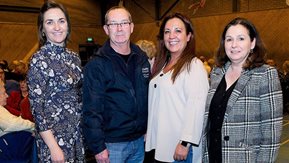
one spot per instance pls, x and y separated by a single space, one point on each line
55 26
238 43
175 36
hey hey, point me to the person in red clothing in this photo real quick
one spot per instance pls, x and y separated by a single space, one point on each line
18 102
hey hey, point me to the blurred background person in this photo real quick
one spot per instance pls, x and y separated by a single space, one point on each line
4 65
54 81
211 62
18 102
243 118
285 86
16 138
206 64
149 48
18 67
177 95
9 75
271 62
10 84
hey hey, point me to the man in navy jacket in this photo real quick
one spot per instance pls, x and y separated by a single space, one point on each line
115 92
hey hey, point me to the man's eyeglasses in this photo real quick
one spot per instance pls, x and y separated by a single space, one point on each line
115 25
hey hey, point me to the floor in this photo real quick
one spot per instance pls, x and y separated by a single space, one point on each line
283 156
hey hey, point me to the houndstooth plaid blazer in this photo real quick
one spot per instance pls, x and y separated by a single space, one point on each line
252 124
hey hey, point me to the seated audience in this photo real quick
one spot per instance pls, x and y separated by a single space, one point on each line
4 65
206 64
149 48
18 102
16 140
271 62
284 78
18 67
10 85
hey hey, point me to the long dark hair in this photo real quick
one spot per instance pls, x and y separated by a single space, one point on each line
46 6
256 57
163 55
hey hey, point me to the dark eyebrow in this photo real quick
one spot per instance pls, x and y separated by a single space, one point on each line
52 19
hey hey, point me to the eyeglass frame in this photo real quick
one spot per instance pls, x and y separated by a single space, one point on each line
115 25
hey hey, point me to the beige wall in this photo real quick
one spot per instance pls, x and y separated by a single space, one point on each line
273 26
18 33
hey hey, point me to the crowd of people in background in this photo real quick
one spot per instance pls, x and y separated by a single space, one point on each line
143 102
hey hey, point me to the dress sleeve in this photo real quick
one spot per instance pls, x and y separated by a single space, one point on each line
196 89
93 107
37 83
271 116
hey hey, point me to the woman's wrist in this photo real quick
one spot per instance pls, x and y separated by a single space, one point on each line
185 143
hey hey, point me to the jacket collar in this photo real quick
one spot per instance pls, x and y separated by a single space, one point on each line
240 86
107 51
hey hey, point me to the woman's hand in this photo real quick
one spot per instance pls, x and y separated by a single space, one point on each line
181 152
57 155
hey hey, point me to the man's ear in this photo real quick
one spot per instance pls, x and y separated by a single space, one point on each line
131 27
105 28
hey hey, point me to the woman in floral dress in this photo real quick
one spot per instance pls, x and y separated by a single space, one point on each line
54 81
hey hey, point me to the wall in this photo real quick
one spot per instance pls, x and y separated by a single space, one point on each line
272 25
18 33
18 29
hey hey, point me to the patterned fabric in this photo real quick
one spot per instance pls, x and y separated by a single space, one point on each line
252 124
54 81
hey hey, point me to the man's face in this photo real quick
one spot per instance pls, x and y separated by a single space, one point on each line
2 75
3 95
118 27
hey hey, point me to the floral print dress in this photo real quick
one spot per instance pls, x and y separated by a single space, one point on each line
54 81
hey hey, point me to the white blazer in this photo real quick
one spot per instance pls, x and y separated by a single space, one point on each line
176 111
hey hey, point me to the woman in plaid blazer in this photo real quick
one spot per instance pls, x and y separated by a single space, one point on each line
243 117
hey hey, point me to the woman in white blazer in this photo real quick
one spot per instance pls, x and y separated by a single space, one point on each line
177 95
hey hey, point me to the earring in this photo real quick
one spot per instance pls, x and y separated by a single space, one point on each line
43 34
251 51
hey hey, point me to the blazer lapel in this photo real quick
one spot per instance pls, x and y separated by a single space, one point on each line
240 86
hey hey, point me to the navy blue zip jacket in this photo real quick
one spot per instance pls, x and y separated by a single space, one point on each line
115 97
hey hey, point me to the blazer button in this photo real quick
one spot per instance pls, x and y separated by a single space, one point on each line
155 85
226 138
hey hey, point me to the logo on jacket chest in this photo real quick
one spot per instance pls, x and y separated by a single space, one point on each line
145 72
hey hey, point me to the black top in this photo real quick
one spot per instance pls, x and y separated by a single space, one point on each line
216 116
124 57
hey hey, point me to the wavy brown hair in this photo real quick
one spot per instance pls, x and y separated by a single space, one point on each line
163 55
256 58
